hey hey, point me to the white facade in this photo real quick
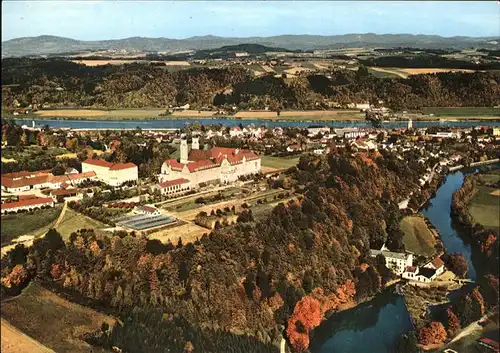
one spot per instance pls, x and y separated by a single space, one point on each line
111 174
218 165
397 262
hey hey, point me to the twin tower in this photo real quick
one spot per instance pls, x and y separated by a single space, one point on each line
195 145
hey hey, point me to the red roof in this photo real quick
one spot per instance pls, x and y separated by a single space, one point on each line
25 174
26 197
98 162
81 175
119 166
168 183
199 165
174 164
30 202
490 342
437 262
411 269
17 183
112 166
64 192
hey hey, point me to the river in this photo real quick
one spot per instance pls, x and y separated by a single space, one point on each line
179 123
374 326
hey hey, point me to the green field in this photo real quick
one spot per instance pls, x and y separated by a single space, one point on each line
73 221
418 238
463 111
382 74
52 320
35 223
11 153
485 207
279 162
491 178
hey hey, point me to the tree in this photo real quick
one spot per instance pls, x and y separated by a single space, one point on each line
434 333
457 264
452 323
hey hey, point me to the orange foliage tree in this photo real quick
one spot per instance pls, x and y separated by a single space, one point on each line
453 323
434 333
306 315
16 277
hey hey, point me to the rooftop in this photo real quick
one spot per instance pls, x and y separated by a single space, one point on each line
390 254
29 202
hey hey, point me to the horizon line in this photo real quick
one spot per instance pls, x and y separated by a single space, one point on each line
250 37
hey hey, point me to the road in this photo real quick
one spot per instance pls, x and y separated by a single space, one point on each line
469 330
15 341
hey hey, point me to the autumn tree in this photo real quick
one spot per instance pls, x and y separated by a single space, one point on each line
457 264
434 333
452 323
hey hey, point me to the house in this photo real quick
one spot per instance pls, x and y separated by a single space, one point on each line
175 187
489 343
68 193
294 148
236 131
114 174
397 262
147 210
314 130
28 204
364 145
70 171
436 264
362 106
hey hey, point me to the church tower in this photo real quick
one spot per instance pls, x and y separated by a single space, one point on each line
196 143
184 152
410 124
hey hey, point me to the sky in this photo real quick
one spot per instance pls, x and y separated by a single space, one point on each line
98 20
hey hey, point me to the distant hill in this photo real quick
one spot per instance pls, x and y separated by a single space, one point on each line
45 44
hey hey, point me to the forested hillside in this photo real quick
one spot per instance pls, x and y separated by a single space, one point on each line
281 275
63 83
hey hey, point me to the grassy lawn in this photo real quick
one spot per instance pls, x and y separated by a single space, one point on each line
52 320
485 208
383 74
491 178
11 153
462 111
279 162
34 223
418 237
72 221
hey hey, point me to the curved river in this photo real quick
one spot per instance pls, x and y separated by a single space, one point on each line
374 326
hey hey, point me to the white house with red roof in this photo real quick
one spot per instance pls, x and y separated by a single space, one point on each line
27 204
175 187
114 174
216 165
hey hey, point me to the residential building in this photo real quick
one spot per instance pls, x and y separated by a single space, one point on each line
314 130
397 262
27 204
436 264
114 174
24 181
147 210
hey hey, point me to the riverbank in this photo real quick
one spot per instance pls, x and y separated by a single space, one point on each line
146 114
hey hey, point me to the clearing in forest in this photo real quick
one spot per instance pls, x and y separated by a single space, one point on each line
53 321
418 238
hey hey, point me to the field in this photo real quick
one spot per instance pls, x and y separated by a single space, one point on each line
188 232
121 62
14 341
52 320
25 223
463 111
418 238
11 155
303 115
485 207
277 163
405 72
72 221
382 73
101 113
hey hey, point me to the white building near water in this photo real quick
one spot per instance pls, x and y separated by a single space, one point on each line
216 165
397 262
